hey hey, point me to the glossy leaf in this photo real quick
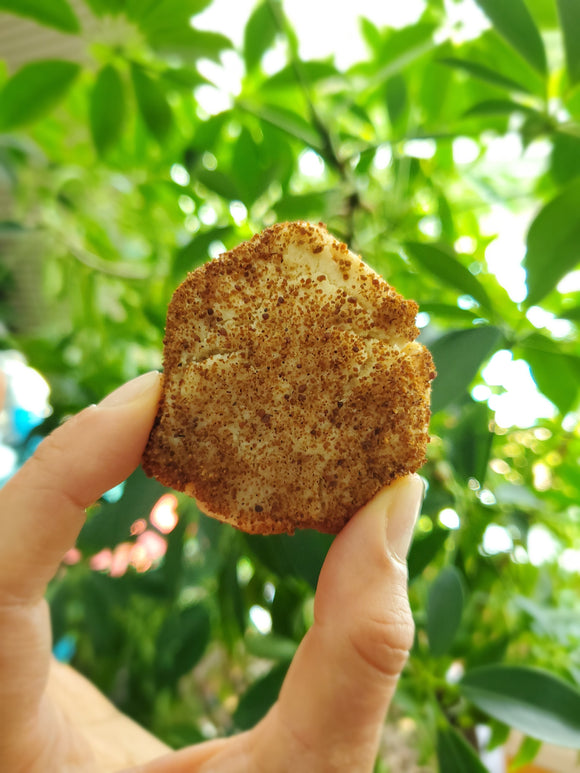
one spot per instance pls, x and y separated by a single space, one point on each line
396 92
259 698
553 243
231 602
106 7
556 372
189 44
484 73
314 71
514 22
152 103
458 356
35 90
196 252
442 264
425 548
289 122
471 442
544 13
449 312
259 34
300 556
181 642
531 700
271 647
572 313
455 755
55 13
401 48
565 160
569 11
248 168
107 109
444 610
186 78
498 107
164 16
219 182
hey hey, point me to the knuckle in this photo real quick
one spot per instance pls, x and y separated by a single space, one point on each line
383 643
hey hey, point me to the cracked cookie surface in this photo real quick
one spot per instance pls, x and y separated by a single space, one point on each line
293 386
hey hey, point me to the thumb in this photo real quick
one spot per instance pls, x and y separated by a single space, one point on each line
342 679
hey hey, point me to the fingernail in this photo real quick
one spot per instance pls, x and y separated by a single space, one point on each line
131 391
402 511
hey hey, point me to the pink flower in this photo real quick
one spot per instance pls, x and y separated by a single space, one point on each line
164 513
101 561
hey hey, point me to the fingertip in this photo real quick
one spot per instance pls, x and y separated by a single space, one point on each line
386 522
143 390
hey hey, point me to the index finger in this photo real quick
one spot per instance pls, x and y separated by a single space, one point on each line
42 508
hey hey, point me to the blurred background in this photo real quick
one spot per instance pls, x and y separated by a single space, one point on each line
441 140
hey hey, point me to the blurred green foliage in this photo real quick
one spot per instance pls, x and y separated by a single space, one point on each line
121 182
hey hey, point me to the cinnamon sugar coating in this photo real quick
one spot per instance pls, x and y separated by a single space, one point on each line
293 388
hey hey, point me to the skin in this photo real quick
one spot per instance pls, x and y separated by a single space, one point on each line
332 705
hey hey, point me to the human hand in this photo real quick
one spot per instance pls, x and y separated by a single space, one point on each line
332 705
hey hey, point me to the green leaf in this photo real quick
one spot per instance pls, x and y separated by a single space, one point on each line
181 642
160 16
300 555
455 755
572 314
259 698
313 71
186 78
471 442
371 34
556 373
535 126
444 610
565 160
483 73
458 355
424 549
259 35
231 602
192 255
55 13
514 22
531 700
152 103
189 44
396 92
173 563
544 12
106 7
553 243
569 11
219 182
288 121
442 264
271 646
249 175
498 107
35 90
107 109
447 311
526 754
